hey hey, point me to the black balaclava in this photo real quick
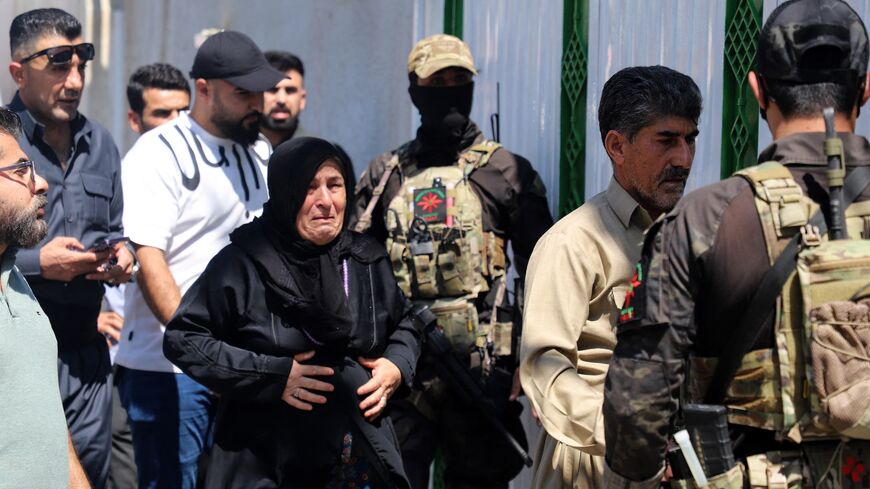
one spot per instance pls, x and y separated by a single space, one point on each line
444 119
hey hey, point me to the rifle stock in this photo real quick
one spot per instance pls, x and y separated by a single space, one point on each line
460 379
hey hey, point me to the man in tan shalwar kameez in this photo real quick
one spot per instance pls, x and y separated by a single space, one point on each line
580 271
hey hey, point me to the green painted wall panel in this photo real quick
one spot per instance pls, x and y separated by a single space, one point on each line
739 108
572 157
453 17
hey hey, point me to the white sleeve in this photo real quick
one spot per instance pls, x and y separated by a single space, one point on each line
151 180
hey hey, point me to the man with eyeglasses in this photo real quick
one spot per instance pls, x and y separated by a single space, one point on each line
35 450
66 272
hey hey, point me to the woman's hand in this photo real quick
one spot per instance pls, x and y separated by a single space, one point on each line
300 384
386 377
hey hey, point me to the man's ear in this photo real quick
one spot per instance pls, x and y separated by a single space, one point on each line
866 94
757 90
304 98
202 88
135 121
614 144
16 69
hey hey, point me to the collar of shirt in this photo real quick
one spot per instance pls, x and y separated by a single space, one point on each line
7 261
34 130
808 148
625 207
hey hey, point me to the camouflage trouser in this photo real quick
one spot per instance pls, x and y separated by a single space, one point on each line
819 465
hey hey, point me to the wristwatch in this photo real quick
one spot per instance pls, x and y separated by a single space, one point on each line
135 271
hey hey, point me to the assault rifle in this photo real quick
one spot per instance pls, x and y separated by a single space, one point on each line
495 117
460 378
836 173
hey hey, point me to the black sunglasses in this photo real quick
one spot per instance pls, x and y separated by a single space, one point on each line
62 55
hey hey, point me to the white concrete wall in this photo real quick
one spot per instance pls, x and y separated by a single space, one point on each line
354 52
517 45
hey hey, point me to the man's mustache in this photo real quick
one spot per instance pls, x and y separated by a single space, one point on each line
40 202
674 173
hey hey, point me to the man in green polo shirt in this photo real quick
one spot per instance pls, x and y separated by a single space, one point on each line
35 448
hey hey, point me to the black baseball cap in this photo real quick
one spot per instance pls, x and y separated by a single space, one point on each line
813 41
235 58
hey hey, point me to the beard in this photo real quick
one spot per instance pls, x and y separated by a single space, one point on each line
244 130
22 227
287 125
668 190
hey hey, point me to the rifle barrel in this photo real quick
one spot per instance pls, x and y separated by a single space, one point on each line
836 173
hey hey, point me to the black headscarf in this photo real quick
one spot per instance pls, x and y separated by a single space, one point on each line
305 278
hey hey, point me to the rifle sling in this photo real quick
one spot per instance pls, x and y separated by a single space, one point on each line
763 303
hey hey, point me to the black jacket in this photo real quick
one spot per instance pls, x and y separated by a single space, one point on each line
225 337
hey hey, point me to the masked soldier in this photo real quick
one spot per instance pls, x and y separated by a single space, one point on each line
446 204
748 324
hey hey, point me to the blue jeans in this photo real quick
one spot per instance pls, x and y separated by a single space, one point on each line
171 419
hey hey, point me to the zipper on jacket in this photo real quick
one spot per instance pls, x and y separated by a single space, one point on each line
274 333
374 321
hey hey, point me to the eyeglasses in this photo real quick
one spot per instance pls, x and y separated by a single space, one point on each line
24 165
62 55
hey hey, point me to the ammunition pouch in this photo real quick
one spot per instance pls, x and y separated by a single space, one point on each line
457 318
435 236
732 479
502 336
754 396
777 470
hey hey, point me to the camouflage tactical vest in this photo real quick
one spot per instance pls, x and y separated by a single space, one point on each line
439 250
815 382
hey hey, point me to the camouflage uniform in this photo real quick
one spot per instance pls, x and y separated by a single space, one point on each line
515 209
703 262
489 196
700 266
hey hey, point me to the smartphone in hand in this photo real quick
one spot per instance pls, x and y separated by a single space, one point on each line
107 244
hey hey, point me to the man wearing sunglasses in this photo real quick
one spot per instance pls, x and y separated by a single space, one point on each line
81 164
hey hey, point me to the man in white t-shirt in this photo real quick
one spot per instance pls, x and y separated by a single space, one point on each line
187 185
